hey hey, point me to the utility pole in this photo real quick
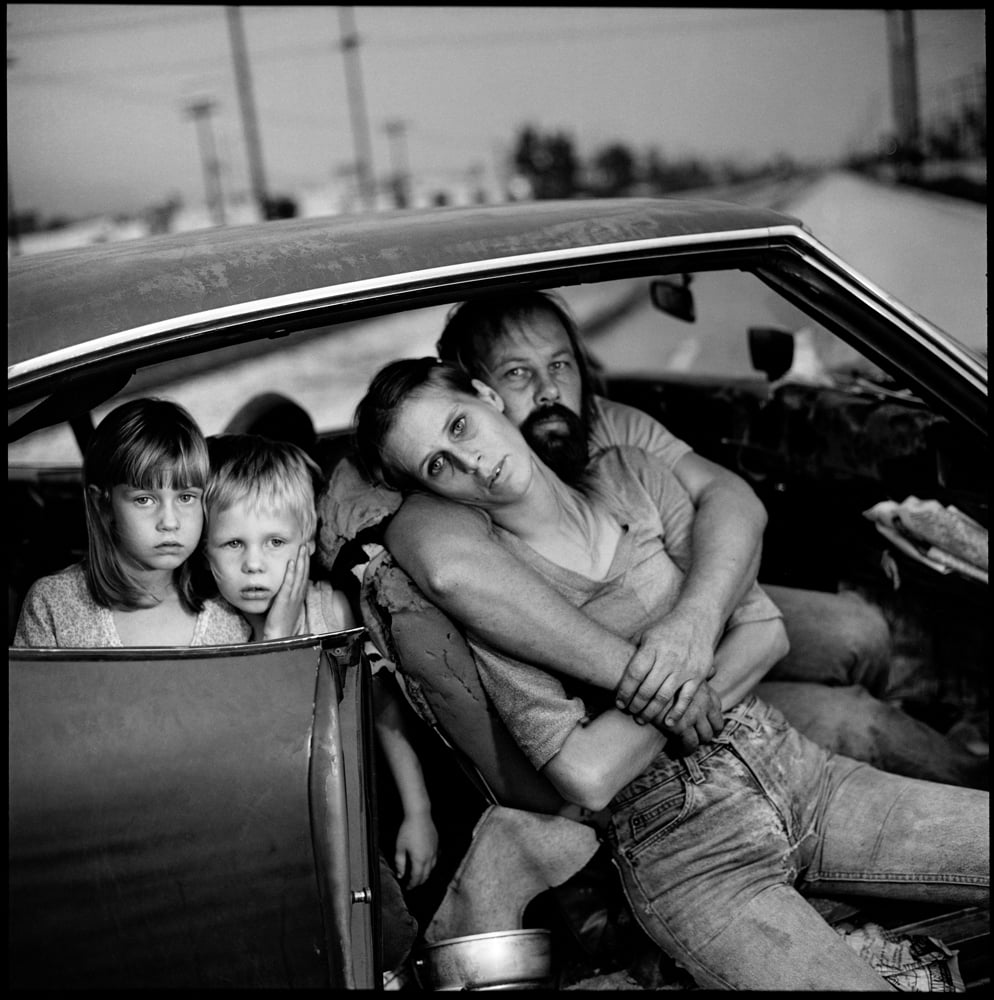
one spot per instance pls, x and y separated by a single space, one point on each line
357 107
200 110
904 91
13 228
396 131
246 102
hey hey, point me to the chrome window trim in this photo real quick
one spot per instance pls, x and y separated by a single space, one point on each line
165 330
931 337
324 640
792 237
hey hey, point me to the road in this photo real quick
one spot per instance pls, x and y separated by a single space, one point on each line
927 250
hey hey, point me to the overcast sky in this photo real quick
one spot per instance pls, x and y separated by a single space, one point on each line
97 93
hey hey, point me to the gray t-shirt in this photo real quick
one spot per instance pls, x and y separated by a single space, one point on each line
617 424
656 515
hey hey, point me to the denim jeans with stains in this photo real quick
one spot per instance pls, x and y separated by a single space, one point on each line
717 850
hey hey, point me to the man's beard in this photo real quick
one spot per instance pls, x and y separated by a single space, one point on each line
564 450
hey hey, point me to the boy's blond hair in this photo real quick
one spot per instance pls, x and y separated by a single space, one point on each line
270 475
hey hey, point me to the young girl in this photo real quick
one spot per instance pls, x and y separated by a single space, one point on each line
144 475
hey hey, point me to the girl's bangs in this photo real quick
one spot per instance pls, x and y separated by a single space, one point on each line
156 469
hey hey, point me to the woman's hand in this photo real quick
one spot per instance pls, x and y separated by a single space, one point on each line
699 725
284 612
416 850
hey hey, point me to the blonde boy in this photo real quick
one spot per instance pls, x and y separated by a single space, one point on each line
260 531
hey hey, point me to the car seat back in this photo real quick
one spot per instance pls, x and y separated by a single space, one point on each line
442 681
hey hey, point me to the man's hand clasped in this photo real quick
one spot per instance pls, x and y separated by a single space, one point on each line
666 681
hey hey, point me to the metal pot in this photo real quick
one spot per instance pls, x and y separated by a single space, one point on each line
501 960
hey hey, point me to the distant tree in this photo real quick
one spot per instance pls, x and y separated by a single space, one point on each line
664 176
547 161
159 217
975 130
614 170
21 223
527 156
280 207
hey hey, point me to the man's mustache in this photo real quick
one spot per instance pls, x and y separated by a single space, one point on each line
549 411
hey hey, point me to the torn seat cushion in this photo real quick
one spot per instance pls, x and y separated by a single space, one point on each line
443 685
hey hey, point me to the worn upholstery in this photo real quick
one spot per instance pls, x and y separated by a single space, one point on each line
438 669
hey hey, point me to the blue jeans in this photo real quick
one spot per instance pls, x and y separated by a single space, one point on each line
716 850
835 639
850 721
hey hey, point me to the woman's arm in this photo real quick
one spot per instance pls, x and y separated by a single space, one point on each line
442 545
460 566
599 759
744 656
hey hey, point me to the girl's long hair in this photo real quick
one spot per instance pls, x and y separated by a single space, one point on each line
145 444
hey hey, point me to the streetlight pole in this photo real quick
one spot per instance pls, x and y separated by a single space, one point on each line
246 102
904 89
396 131
13 228
357 107
200 110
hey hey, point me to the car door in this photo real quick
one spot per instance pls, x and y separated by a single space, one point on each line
184 818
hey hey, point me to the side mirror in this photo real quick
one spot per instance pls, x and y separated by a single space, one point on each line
771 350
673 296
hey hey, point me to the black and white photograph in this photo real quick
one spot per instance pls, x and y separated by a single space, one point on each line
500 498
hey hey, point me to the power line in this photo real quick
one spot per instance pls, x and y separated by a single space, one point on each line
91 27
516 37
558 34
124 93
320 50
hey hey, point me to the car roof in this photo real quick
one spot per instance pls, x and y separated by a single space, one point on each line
64 299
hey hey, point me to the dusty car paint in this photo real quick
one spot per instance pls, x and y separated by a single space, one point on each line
123 286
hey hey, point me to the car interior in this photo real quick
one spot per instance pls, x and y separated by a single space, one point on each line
820 433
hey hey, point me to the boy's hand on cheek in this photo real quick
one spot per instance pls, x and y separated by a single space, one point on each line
284 612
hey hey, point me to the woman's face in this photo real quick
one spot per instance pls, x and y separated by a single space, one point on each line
461 447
